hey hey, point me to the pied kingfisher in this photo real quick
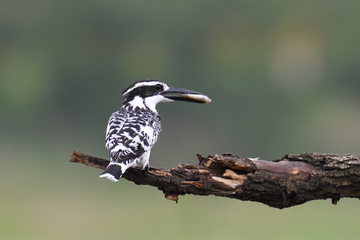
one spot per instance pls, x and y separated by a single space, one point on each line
133 130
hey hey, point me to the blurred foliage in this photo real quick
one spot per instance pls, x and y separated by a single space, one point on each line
283 77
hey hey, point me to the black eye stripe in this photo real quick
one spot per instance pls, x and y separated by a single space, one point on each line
159 87
144 91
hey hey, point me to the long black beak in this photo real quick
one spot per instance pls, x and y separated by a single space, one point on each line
180 94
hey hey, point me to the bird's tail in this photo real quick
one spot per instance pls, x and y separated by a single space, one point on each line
113 172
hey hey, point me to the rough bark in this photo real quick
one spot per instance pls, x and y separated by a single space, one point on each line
289 181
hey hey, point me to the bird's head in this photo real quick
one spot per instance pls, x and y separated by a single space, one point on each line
150 92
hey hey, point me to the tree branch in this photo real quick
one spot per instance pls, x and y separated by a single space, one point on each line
289 181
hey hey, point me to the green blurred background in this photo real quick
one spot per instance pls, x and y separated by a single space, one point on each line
283 77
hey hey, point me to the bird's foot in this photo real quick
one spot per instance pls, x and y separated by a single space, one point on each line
146 170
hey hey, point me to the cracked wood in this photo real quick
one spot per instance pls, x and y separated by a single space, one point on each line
286 182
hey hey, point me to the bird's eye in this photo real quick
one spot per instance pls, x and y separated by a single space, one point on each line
158 87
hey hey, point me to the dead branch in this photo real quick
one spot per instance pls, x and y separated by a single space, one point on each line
289 181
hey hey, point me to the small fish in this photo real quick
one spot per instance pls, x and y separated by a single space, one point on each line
197 97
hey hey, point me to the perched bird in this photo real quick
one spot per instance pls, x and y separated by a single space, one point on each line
133 130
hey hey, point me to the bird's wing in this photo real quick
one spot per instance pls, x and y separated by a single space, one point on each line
126 156
115 124
125 139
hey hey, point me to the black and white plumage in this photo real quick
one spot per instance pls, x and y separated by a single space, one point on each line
133 130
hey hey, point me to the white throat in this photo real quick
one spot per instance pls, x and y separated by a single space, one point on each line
151 102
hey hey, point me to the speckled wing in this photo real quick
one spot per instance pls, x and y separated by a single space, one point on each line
130 134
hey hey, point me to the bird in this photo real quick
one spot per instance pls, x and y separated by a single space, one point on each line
134 129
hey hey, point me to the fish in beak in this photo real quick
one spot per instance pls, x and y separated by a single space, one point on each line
180 94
